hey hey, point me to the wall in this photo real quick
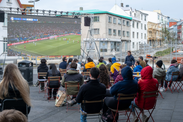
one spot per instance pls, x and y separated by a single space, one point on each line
13 4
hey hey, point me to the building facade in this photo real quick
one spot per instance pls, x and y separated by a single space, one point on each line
138 27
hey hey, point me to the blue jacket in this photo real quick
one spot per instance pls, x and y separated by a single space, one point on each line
171 69
63 65
128 86
129 60
138 68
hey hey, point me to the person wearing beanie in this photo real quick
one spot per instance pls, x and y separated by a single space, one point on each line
159 73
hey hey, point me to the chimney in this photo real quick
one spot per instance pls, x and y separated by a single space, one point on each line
81 8
121 4
127 6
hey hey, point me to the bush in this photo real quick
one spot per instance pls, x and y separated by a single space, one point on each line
162 53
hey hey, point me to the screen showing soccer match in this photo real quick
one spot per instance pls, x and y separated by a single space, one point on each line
43 36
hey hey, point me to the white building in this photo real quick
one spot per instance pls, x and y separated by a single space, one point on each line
3 25
138 27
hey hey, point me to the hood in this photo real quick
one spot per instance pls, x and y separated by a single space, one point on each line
115 66
175 65
139 67
160 70
127 73
70 71
113 60
147 72
89 65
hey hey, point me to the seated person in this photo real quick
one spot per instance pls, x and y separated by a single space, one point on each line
119 77
104 76
69 63
128 86
88 65
181 70
42 68
53 84
173 68
103 60
138 68
146 84
14 86
100 63
63 65
12 116
109 64
72 76
142 63
159 72
115 70
92 91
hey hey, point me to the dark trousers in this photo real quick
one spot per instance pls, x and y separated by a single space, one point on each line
54 92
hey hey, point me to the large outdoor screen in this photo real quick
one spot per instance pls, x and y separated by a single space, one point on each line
43 36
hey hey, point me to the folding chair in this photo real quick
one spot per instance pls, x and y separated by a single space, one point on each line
162 79
75 86
17 104
123 97
171 82
42 74
51 79
92 115
86 75
63 72
152 94
180 84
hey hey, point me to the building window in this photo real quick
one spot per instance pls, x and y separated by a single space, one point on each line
103 46
114 32
127 23
141 26
134 14
115 46
123 33
141 16
158 17
133 35
110 32
141 35
133 45
123 22
144 18
110 19
144 36
133 24
96 31
137 25
137 35
96 19
130 13
127 34
119 32
144 26
114 20
119 21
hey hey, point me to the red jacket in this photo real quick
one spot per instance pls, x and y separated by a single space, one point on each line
146 84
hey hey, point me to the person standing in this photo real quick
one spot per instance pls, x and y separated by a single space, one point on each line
129 61
63 65
142 63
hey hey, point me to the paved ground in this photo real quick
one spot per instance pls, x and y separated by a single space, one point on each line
169 109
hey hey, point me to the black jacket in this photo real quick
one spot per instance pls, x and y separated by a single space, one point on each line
129 60
53 84
91 91
42 68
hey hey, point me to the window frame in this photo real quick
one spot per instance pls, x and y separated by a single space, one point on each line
124 22
96 29
98 18
109 19
109 29
114 18
114 34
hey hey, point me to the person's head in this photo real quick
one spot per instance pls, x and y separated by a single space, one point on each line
127 73
159 63
89 60
181 61
137 63
76 60
146 61
146 73
100 60
12 116
110 60
129 53
43 61
64 59
114 59
121 67
173 61
104 75
140 58
70 60
53 68
73 65
13 77
94 73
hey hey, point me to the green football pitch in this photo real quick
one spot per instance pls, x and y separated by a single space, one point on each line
52 47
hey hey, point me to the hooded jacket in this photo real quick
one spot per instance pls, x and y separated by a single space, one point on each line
42 68
171 69
138 68
129 60
115 70
100 64
128 86
89 65
146 84
160 73
72 76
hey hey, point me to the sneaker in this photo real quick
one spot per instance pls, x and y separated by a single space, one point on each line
135 119
161 89
145 118
164 88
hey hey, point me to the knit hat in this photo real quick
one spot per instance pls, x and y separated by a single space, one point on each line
159 63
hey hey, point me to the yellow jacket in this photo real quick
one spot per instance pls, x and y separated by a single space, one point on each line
115 66
89 65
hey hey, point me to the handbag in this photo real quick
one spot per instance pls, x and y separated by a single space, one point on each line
60 98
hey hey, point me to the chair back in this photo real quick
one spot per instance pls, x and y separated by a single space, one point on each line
42 74
72 88
17 104
126 96
86 75
63 72
96 104
175 74
54 78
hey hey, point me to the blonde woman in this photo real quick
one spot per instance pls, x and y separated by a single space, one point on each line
14 85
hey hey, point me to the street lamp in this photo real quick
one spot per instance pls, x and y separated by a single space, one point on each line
33 1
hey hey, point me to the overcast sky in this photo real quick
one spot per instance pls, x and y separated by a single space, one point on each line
172 8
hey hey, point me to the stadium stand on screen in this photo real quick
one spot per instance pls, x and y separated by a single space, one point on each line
43 36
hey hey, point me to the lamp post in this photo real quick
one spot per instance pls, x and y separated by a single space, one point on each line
33 1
